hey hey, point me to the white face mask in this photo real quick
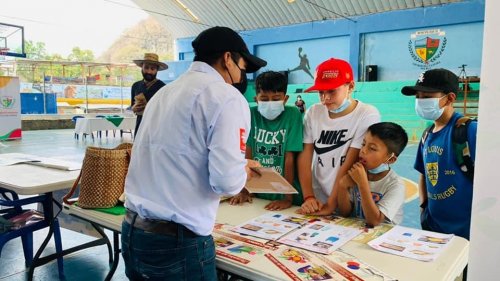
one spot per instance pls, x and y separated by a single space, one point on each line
382 168
345 104
428 109
270 109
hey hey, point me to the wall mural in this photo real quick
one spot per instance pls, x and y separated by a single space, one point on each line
426 47
303 64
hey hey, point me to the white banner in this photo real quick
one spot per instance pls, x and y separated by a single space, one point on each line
10 108
485 224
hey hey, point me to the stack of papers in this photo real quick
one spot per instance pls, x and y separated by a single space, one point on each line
412 243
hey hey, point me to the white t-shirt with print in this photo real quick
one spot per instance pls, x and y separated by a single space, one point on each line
389 195
332 138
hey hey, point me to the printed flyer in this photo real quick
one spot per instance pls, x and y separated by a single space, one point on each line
321 237
339 266
367 234
270 225
238 248
412 243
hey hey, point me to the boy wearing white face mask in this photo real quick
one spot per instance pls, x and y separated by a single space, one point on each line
371 189
445 191
275 136
333 134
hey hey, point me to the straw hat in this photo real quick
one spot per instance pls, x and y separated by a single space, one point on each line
153 59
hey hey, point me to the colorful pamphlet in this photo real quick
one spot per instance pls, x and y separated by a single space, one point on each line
412 243
270 225
238 248
308 233
321 237
368 233
268 181
338 266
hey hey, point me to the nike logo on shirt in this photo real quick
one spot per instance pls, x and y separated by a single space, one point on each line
321 150
335 138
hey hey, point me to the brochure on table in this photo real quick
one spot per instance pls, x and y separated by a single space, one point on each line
338 266
239 248
268 180
321 237
412 243
311 234
20 158
270 225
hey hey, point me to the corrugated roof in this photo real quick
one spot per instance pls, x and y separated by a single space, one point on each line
255 14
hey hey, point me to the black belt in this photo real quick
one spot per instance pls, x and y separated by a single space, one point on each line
169 228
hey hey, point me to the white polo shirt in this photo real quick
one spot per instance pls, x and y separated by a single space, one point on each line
190 150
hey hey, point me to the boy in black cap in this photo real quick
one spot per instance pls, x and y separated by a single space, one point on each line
189 152
445 188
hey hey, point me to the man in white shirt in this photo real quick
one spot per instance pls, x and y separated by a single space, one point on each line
190 151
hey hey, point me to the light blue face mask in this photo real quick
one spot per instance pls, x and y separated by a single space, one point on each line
345 104
270 109
382 168
428 109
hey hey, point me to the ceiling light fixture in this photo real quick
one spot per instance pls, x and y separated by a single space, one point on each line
187 10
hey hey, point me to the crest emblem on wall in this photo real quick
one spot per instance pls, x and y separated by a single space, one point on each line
426 47
432 172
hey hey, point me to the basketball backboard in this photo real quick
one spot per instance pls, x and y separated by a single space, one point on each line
12 40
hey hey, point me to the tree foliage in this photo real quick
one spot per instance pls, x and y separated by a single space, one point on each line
35 50
148 36
78 54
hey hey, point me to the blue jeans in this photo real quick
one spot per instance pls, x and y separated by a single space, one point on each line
151 256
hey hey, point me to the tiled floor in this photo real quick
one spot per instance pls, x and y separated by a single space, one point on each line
92 264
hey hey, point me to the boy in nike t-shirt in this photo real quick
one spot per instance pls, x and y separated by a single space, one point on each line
275 136
333 135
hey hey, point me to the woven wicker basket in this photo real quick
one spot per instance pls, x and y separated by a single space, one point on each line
102 176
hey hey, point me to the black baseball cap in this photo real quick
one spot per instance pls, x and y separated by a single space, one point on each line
223 39
434 80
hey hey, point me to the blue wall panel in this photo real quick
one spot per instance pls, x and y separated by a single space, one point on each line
390 31
285 56
32 103
390 51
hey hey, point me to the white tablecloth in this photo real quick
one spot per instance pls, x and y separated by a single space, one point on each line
89 125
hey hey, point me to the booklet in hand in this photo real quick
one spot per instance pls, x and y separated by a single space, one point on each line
268 180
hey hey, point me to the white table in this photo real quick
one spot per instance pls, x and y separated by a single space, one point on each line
30 180
25 179
90 125
447 267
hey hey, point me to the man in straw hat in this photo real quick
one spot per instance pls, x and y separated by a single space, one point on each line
144 90
189 152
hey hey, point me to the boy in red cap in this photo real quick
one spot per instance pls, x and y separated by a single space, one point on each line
333 135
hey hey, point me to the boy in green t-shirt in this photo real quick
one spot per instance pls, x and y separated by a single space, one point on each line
275 137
